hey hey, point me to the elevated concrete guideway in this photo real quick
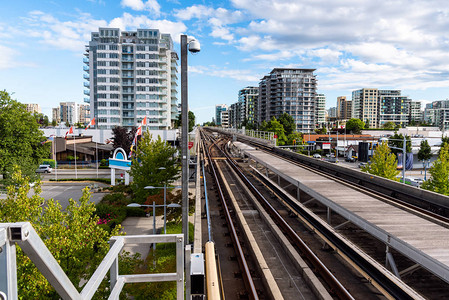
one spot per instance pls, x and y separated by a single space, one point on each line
424 242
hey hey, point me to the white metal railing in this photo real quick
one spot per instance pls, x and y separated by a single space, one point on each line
266 135
24 235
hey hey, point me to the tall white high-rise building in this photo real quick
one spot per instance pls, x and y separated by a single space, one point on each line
130 75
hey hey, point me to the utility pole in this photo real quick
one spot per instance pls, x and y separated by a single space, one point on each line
184 133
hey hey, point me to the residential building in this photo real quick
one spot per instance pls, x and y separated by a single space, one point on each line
291 91
332 113
320 110
437 113
344 108
68 112
393 107
225 119
33 108
380 106
130 75
364 105
247 105
218 109
416 113
56 114
84 113
232 115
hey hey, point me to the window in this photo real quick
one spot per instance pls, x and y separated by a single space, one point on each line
114 79
113 55
114 72
113 47
101 55
114 96
114 104
102 120
113 63
102 103
101 47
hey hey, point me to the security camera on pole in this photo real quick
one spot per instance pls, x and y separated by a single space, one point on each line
194 47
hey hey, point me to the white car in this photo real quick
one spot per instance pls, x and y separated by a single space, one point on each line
316 155
44 169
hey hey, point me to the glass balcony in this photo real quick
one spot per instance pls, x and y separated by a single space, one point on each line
86 84
86 68
86 76
86 60
87 100
87 92
127 75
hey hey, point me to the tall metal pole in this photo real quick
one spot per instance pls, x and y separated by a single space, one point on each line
165 208
404 153
184 126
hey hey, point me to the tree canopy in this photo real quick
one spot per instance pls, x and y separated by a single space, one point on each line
21 141
154 165
439 180
72 236
389 125
383 163
275 126
355 125
397 140
424 152
178 121
122 138
288 122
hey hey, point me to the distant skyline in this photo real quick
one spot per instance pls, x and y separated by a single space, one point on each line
352 44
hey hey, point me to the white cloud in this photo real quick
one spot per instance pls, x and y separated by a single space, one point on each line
6 57
236 74
74 35
139 5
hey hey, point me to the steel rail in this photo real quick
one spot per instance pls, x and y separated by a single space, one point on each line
249 283
326 274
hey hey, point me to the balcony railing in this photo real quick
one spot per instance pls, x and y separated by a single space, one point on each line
86 84
87 92
87 100
86 76
86 68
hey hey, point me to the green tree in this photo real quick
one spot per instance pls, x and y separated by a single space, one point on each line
72 236
288 122
296 137
355 125
439 180
154 165
54 123
397 140
389 125
191 120
20 138
41 119
321 130
367 124
383 163
424 155
276 127
178 121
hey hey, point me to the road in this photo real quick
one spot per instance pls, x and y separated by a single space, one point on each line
63 191
80 173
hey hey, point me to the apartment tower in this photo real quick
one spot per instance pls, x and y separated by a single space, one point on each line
130 75
291 91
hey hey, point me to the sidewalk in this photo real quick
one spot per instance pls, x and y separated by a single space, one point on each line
141 226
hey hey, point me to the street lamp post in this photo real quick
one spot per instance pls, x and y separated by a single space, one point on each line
194 48
165 200
172 205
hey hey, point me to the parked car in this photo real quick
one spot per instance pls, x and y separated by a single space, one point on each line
316 155
362 164
44 169
412 181
351 158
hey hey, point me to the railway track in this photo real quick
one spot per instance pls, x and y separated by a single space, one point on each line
424 282
434 205
335 287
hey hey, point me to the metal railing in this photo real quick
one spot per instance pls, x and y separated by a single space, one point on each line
24 235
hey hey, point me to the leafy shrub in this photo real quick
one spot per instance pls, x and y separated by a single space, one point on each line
135 212
104 163
50 162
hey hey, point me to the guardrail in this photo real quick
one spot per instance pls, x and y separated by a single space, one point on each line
24 235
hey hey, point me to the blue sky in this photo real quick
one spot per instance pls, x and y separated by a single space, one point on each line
352 43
